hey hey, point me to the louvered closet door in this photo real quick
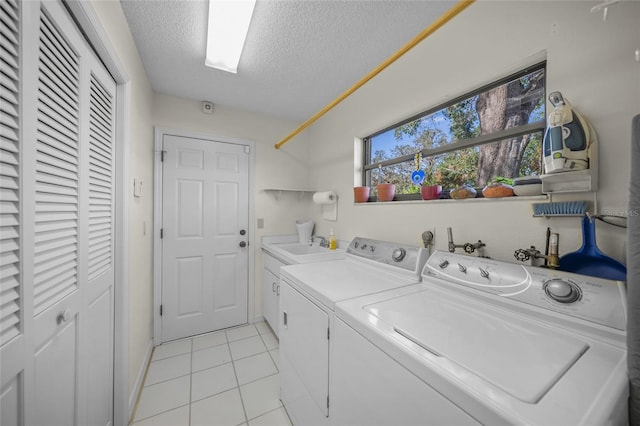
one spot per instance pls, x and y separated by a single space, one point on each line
57 301
57 179
98 337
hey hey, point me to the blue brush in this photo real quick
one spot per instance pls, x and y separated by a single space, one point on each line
561 208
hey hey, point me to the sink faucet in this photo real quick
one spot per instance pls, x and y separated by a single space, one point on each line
323 241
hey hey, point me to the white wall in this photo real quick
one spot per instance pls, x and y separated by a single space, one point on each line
590 61
284 168
141 166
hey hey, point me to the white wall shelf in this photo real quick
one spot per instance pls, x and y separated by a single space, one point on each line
574 181
277 192
577 181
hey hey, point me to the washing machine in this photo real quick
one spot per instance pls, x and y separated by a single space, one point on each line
480 341
308 296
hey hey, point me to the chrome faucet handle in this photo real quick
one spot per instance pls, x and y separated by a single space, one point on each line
323 241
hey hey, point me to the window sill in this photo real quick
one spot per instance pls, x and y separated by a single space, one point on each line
463 200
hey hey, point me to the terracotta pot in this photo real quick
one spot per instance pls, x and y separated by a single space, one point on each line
430 192
386 191
361 194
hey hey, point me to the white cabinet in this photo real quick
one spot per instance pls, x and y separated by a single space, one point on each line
271 290
304 358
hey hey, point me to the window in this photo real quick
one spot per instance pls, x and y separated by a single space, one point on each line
493 133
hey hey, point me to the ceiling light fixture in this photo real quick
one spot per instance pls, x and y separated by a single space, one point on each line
228 26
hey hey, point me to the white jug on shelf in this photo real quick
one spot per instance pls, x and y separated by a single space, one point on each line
305 230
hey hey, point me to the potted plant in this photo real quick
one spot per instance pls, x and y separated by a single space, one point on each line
430 190
498 187
386 191
361 194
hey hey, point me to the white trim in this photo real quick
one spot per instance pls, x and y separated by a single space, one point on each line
137 387
159 132
121 412
157 246
92 27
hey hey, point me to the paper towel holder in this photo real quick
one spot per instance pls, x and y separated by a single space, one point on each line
329 202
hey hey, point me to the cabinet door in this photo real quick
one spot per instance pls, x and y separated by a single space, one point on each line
270 298
304 357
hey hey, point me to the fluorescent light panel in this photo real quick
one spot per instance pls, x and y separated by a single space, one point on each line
228 26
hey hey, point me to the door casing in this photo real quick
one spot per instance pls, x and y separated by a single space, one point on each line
157 220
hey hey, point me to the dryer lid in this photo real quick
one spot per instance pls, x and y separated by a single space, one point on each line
521 357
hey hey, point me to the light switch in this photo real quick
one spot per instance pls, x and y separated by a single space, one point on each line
260 223
137 187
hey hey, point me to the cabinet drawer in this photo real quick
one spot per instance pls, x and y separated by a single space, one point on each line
272 264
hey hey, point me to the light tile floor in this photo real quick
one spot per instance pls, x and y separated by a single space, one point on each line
226 378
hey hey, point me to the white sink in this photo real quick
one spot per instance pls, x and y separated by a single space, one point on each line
298 249
304 253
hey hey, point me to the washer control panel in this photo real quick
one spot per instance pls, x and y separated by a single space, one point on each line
593 299
407 257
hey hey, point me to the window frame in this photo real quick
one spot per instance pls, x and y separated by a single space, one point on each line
538 126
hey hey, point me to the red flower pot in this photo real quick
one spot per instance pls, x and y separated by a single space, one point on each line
361 194
430 192
386 191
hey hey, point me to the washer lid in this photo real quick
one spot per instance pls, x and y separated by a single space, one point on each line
336 280
522 358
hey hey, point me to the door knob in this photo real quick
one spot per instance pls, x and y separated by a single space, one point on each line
63 316
243 244
242 232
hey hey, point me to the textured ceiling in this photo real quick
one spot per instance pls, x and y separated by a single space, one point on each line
299 54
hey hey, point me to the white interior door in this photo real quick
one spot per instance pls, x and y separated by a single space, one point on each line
205 198
57 345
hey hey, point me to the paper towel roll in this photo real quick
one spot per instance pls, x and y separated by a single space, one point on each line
327 197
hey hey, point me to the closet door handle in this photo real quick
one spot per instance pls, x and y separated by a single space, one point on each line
273 287
63 316
278 291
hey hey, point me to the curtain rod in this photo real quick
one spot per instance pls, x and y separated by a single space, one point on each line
446 17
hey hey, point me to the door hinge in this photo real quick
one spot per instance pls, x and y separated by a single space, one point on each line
327 401
160 310
162 153
327 333
247 149
161 233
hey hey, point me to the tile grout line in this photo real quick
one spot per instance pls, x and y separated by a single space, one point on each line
235 373
269 351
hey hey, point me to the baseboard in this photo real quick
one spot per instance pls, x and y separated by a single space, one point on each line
135 393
